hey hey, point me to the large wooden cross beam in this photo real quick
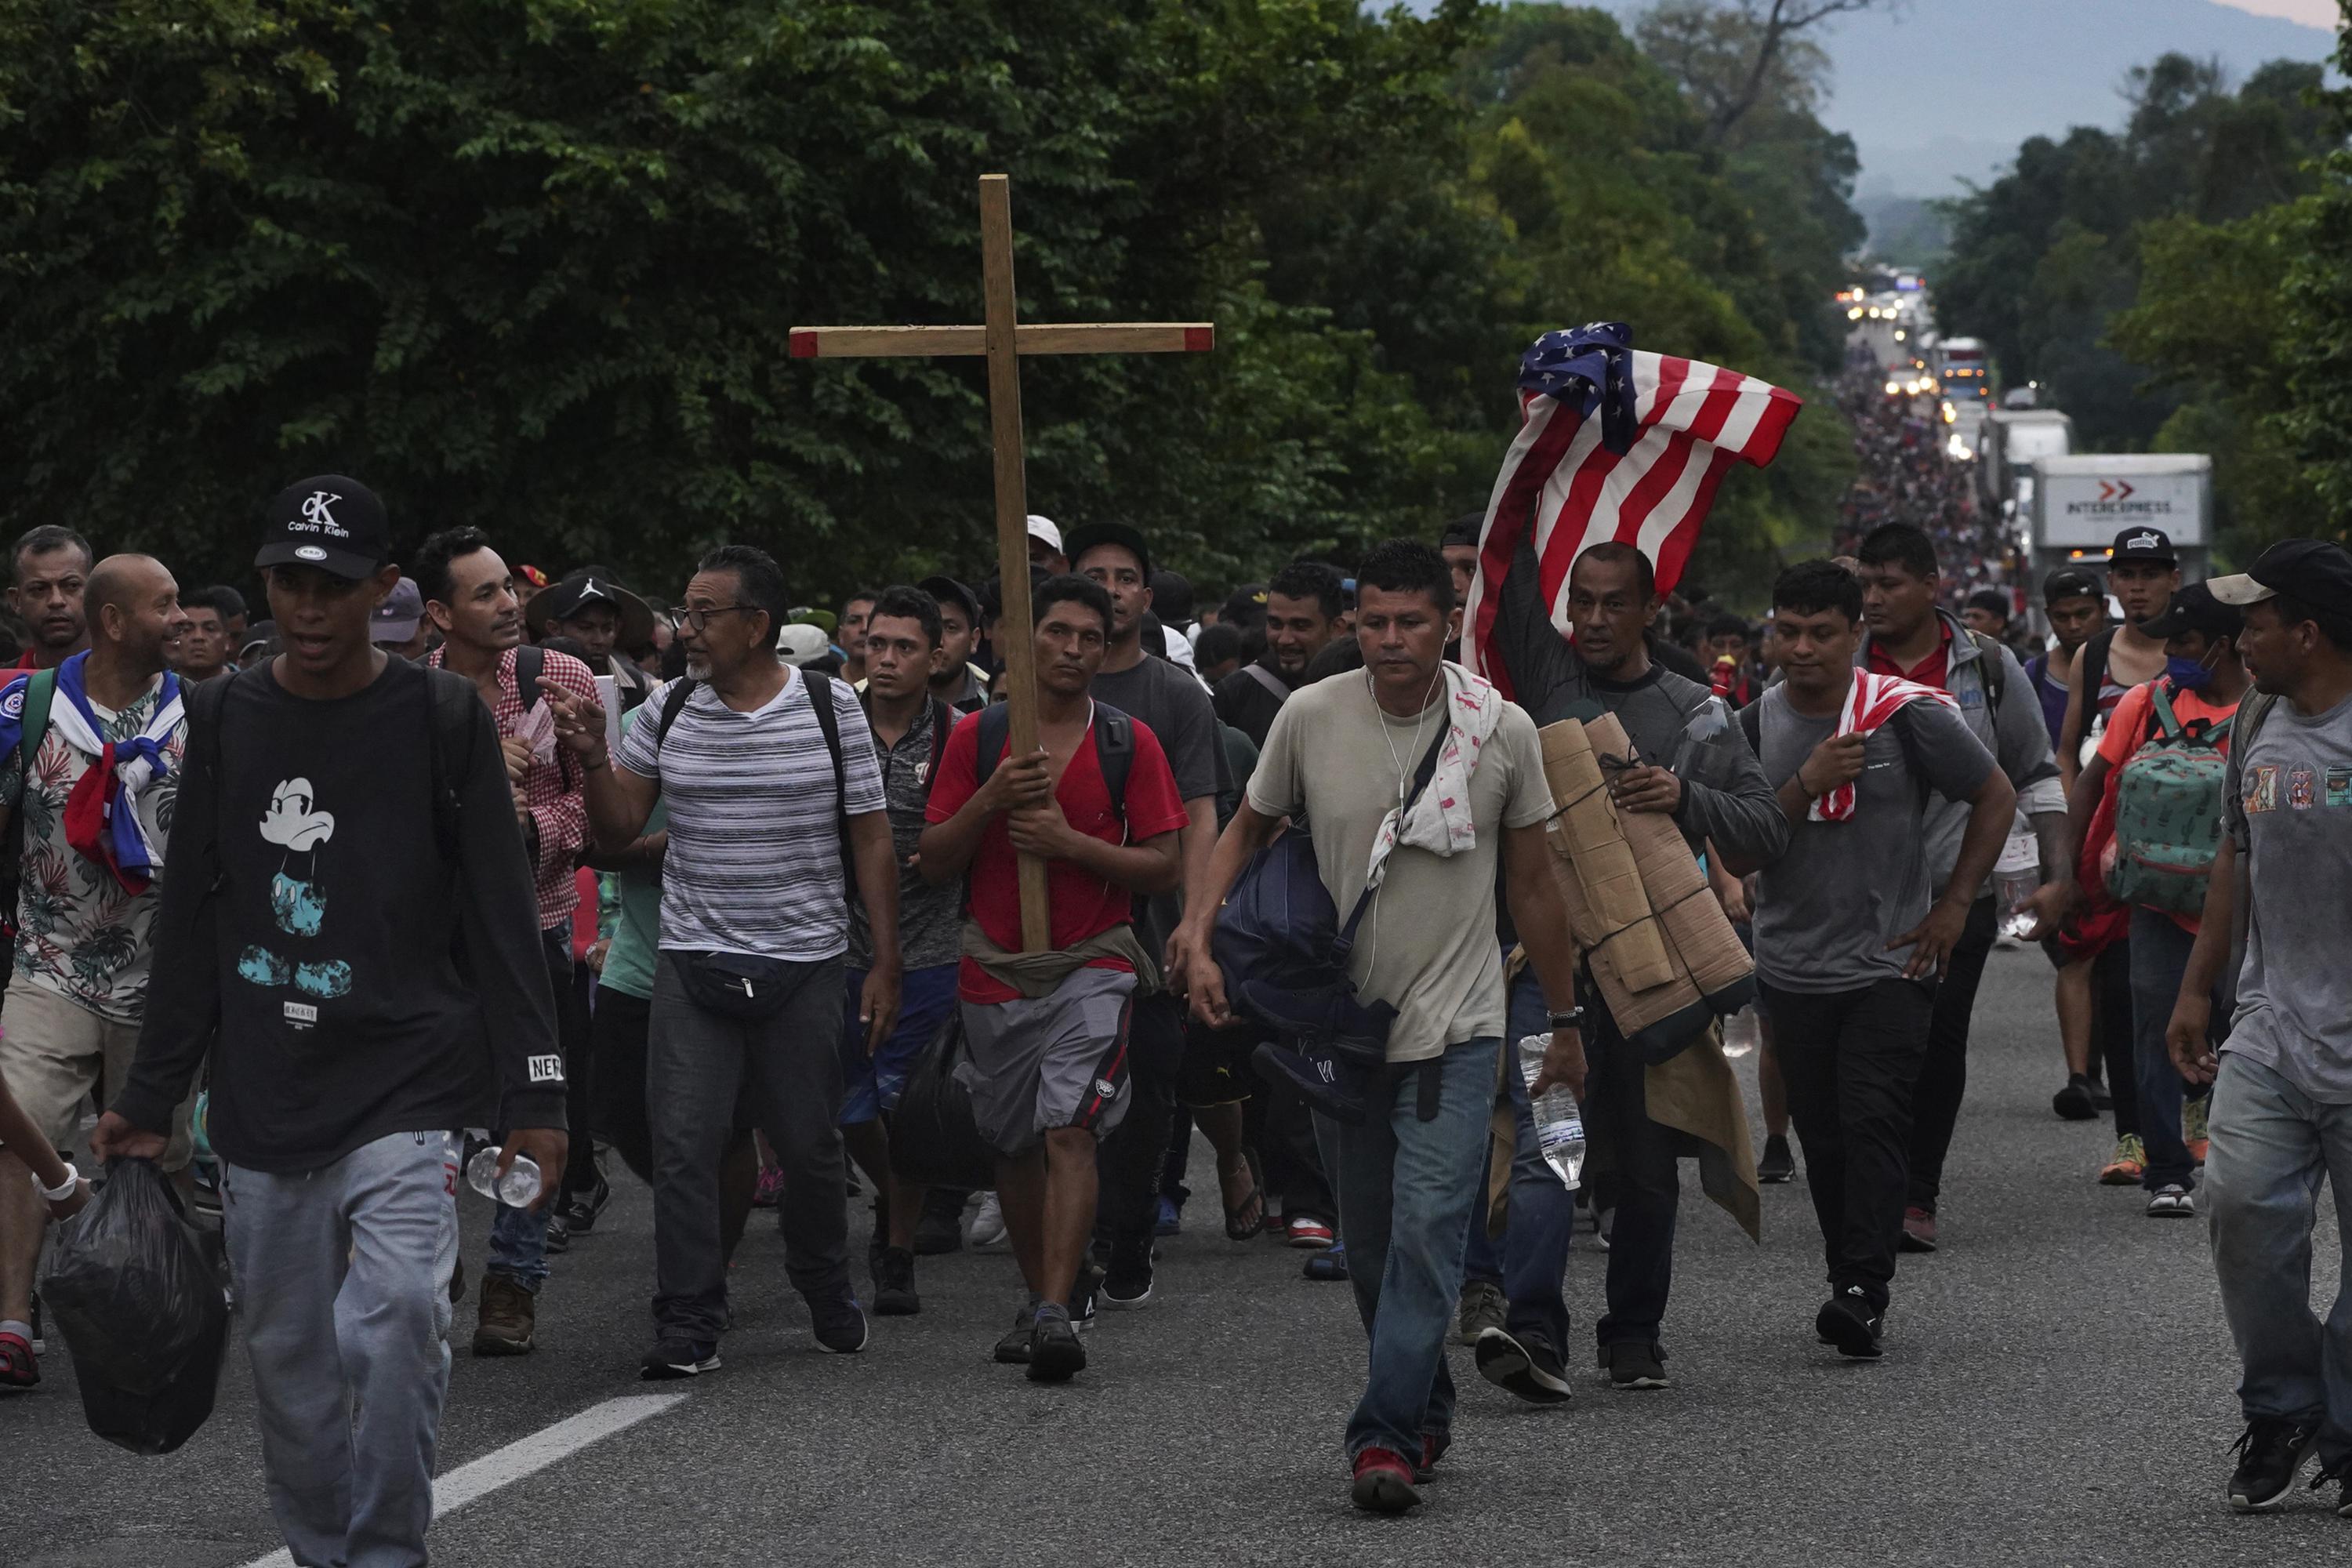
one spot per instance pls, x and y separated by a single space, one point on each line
1003 343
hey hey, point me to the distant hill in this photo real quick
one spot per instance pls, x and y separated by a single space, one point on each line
1905 231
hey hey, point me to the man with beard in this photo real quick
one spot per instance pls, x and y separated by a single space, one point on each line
1717 796
78 988
1302 619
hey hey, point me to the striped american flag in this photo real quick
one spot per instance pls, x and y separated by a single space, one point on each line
1644 472
1869 703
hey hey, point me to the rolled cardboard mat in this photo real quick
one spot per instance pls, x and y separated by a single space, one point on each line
1662 1017
1602 858
1701 936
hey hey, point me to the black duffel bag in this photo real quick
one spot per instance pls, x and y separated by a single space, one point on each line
934 1138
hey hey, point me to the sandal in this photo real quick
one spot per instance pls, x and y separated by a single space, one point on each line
1237 1227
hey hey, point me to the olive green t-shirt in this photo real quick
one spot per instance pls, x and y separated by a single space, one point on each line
1427 946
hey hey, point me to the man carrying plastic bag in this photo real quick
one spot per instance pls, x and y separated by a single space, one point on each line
305 939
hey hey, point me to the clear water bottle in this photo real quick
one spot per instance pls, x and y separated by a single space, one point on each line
520 1185
2015 878
1559 1125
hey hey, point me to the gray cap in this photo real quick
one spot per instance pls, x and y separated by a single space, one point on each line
401 613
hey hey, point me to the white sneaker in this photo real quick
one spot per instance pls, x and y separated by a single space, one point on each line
2171 1203
987 1226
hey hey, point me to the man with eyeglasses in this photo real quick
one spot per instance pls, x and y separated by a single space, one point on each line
773 794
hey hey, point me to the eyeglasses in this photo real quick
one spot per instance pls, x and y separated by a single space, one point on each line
697 620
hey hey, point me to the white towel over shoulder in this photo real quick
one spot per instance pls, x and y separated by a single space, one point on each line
1440 820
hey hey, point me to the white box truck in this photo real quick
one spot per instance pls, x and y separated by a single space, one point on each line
2076 505
2010 438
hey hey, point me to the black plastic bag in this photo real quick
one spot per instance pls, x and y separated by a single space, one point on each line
134 1291
934 1138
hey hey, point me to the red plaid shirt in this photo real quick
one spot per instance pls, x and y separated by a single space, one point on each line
554 791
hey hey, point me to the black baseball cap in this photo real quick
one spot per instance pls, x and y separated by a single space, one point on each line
2070 583
947 590
581 589
2144 544
330 522
2314 570
2195 609
1085 538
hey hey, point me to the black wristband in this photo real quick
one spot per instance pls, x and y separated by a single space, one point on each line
1572 1018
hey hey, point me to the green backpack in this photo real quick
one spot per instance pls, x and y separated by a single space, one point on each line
2168 814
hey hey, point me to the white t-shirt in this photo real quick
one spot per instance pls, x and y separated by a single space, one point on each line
754 863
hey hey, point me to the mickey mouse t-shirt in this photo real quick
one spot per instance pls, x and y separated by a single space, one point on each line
351 976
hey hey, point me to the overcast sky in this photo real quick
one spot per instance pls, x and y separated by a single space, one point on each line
1944 90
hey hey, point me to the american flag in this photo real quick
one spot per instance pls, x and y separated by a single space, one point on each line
1871 702
1644 472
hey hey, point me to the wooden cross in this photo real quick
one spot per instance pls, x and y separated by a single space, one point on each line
1003 343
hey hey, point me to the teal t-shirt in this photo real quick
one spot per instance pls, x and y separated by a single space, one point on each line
629 961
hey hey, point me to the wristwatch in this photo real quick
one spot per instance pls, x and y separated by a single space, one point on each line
1571 1019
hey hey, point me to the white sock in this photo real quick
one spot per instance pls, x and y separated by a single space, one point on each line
22 1330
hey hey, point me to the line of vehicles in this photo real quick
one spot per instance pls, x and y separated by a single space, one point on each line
2059 505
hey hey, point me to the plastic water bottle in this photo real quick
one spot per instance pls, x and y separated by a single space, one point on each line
517 1189
1559 1125
2015 877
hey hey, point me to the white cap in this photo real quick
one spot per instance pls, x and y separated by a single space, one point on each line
1042 528
802 643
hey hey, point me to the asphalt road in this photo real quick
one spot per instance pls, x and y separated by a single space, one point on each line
2058 1391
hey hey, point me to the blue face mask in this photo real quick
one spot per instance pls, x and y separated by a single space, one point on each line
2187 674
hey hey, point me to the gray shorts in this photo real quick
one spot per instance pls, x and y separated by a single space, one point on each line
1055 1061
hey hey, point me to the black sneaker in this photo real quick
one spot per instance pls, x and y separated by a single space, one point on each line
2101 1099
839 1323
2075 1102
1778 1164
1847 1321
672 1358
1012 1349
2272 1449
1126 1283
1524 1365
2340 1477
894 1284
559 1233
1635 1364
579 1211
940 1228
1086 1291
1056 1355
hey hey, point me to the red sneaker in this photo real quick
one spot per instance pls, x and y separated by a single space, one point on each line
1383 1483
18 1367
1433 1448
1307 1233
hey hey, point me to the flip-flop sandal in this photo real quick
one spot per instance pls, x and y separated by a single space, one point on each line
1237 1229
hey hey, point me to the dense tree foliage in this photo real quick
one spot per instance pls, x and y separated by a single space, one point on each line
2183 286
529 264
2042 258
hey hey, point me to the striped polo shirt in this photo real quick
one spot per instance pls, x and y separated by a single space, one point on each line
754 861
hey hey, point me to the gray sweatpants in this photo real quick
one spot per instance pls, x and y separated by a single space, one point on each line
342 1282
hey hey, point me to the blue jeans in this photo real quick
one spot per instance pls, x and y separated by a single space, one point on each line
2273 1144
2159 957
871 1083
1406 1188
1531 1259
342 1292
518 1245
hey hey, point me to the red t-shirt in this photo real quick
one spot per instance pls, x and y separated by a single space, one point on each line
1084 905
1931 671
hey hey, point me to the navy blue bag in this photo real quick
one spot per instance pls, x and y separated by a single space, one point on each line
1284 952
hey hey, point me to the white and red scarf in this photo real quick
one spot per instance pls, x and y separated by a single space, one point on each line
1871 702
1440 820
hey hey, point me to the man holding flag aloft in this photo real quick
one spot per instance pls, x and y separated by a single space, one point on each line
1599 501
90 763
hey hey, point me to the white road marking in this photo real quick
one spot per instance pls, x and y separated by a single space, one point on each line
526 1456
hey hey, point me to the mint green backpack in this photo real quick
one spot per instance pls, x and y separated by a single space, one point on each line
2168 814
